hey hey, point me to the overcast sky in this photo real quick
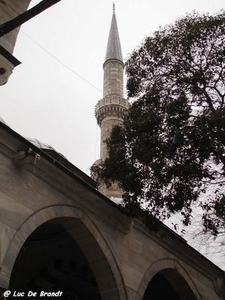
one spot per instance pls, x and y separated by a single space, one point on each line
51 96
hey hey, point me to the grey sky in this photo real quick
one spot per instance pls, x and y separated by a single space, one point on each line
46 97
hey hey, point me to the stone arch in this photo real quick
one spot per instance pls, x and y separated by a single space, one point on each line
83 230
172 270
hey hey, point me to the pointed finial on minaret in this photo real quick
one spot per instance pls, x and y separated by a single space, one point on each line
114 7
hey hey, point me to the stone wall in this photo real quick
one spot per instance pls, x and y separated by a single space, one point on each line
46 210
9 9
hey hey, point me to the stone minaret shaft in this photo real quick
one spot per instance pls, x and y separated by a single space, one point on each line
110 110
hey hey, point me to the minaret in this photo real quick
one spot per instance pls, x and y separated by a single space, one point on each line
110 110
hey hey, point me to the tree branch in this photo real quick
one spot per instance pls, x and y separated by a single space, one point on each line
208 99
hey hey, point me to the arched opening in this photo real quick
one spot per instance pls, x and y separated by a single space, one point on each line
168 284
62 255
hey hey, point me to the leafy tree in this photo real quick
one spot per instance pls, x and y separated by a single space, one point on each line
171 149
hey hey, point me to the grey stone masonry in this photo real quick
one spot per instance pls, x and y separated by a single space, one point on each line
8 10
110 110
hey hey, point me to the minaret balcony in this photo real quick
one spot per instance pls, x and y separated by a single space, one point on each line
111 106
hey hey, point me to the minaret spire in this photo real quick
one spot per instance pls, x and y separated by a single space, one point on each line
114 7
114 50
110 110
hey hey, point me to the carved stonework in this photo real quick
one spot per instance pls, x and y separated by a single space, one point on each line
110 106
114 191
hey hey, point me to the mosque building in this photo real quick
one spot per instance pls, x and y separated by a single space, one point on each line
60 237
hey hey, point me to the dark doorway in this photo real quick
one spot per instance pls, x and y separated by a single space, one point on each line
160 289
168 284
51 261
